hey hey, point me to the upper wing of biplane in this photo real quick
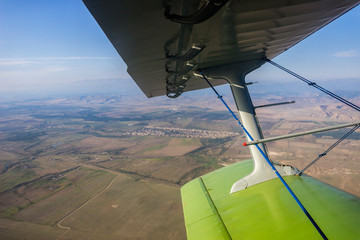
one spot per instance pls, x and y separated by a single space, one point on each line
161 41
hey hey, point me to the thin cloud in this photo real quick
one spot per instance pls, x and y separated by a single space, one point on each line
73 58
54 69
9 62
25 61
347 54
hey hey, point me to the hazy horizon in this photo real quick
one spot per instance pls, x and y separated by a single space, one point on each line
63 51
127 87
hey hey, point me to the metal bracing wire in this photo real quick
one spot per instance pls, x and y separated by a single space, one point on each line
330 148
313 84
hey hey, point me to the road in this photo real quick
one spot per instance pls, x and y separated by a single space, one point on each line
84 204
116 173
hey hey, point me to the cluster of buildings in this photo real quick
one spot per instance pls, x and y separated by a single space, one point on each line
181 132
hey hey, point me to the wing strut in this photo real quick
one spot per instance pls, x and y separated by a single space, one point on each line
269 162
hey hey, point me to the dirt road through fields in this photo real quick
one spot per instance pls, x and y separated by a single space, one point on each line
77 209
135 175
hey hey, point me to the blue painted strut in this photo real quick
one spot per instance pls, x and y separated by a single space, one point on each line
269 162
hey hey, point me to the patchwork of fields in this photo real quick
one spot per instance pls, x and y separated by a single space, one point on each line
76 169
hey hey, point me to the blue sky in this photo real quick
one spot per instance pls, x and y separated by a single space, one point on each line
45 44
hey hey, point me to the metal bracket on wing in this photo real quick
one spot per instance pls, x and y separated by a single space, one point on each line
208 9
193 52
263 174
176 80
177 51
175 87
186 69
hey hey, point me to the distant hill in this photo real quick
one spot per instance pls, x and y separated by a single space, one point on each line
127 87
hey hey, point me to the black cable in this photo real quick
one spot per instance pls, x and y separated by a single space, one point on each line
330 148
313 84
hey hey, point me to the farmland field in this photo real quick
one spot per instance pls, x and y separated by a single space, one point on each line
91 168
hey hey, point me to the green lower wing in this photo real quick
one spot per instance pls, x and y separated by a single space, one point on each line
266 210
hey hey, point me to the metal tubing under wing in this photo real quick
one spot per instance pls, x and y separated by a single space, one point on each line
300 134
273 104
